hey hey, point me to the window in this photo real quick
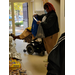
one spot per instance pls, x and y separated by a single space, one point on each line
18 19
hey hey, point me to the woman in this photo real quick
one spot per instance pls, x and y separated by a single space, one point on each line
49 23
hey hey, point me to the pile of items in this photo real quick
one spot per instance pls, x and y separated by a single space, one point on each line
12 50
14 59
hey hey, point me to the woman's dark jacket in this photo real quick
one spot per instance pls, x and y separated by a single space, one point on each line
56 58
50 25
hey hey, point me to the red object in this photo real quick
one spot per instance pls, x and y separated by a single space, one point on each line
50 6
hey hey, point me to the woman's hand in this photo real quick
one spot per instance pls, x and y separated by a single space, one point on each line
38 22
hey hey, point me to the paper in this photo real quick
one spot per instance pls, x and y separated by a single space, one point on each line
35 19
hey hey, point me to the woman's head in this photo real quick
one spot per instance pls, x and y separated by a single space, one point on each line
49 7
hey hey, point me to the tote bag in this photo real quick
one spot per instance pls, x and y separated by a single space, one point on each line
34 26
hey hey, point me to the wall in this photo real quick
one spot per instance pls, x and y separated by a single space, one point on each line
39 9
62 16
30 13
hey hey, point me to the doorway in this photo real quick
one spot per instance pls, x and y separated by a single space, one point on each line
20 16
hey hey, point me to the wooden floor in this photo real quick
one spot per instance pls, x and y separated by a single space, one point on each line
33 63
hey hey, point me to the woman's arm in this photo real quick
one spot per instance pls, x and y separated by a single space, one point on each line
39 16
49 22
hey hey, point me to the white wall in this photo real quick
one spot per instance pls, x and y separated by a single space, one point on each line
62 16
38 7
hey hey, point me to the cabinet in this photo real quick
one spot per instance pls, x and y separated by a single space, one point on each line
38 5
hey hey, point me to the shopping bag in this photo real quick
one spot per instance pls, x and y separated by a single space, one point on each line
40 32
34 26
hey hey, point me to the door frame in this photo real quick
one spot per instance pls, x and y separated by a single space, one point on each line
12 9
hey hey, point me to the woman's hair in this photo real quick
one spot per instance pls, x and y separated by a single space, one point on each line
49 6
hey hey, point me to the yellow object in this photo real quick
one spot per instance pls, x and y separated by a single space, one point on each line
29 28
24 34
14 64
